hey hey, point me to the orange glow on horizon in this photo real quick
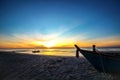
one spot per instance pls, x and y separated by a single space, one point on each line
59 45
57 42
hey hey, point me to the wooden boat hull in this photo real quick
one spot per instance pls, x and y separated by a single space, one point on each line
103 62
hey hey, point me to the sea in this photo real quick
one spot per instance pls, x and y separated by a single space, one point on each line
57 52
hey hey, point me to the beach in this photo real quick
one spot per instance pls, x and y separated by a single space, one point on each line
17 66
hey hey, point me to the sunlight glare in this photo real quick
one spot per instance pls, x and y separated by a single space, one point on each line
49 44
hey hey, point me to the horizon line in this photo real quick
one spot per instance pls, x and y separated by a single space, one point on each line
63 47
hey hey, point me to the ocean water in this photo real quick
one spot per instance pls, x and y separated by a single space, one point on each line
57 52
51 52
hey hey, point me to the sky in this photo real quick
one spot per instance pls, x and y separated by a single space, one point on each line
59 23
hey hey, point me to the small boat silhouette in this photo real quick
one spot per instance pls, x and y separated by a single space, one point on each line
36 51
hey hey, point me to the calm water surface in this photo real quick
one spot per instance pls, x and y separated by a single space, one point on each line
56 52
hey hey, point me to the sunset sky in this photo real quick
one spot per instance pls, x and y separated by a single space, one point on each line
59 23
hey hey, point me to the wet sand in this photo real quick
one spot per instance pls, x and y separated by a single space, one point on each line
19 66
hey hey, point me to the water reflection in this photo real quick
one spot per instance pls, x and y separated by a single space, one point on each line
57 52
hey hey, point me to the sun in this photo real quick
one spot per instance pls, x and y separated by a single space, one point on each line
49 44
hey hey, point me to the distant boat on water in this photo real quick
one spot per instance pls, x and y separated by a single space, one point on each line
107 62
35 51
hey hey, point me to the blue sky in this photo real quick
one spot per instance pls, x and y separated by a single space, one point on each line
66 18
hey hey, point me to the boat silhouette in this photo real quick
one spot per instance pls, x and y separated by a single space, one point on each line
35 51
107 62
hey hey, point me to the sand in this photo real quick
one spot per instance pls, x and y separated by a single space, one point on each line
19 66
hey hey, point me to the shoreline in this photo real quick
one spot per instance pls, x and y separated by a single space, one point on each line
17 66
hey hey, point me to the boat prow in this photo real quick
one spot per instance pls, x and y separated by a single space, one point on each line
102 61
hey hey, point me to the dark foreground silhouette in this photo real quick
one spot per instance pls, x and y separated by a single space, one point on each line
107 62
